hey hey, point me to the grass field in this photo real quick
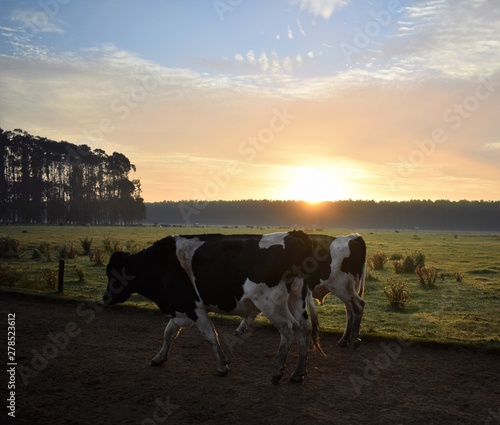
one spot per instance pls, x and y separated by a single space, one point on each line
465 312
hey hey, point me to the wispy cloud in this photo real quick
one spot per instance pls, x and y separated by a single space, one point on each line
38 19
491 146
452 40
323 8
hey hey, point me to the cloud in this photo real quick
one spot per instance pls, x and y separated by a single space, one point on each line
301 30
452 40
323 8
35 21
491 146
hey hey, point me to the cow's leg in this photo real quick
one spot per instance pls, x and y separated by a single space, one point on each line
171 331
297 306
346 337
358 307
207 329
273 303
354 312
246 322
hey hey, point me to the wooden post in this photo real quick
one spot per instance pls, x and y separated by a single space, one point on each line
60 280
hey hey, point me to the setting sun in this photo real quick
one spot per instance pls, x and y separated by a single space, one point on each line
313 185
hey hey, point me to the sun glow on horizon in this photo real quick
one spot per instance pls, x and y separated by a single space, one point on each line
313 185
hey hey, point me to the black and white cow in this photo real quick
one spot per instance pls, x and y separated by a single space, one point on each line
188 276
338 265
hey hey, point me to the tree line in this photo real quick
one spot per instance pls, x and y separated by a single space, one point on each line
47 182
422 214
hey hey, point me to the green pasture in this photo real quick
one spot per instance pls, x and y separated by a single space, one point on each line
465 312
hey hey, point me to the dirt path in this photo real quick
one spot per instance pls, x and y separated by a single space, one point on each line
81 364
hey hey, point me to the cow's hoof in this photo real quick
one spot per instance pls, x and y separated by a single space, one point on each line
297 379
222 373
356 343
238 333
343 343
277 379
156 363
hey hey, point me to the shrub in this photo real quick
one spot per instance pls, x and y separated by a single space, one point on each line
397 293
80 272
459 276
398 266
98 256
50 278
86 245
47 250
36 255
426 275
9 247
377 261
132 247
410 262
395 257
111 245
10 276
68 251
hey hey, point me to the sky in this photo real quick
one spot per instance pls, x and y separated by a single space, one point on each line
266 99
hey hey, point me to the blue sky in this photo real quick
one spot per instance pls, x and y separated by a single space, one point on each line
276 99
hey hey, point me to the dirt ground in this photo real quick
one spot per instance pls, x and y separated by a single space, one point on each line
84 364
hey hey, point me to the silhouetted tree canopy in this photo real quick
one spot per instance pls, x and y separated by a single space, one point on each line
43 181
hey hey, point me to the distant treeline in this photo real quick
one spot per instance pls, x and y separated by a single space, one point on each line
435 215
48 182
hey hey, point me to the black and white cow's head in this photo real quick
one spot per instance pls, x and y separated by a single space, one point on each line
120 284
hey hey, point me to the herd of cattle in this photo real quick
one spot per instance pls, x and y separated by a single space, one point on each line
276 274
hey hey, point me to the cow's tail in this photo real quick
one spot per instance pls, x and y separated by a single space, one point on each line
311 306
361 290
362 279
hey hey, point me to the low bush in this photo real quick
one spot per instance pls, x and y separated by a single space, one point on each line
98 256
410 262
68 251
426 275
397 293
10 276
81 273
50 278
47 250
111 245
9 247
377 261
86 245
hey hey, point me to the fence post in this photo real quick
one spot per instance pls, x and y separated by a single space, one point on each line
60 280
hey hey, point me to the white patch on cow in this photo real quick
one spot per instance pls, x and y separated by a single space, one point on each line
185 249
271 239
272 301
338 281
